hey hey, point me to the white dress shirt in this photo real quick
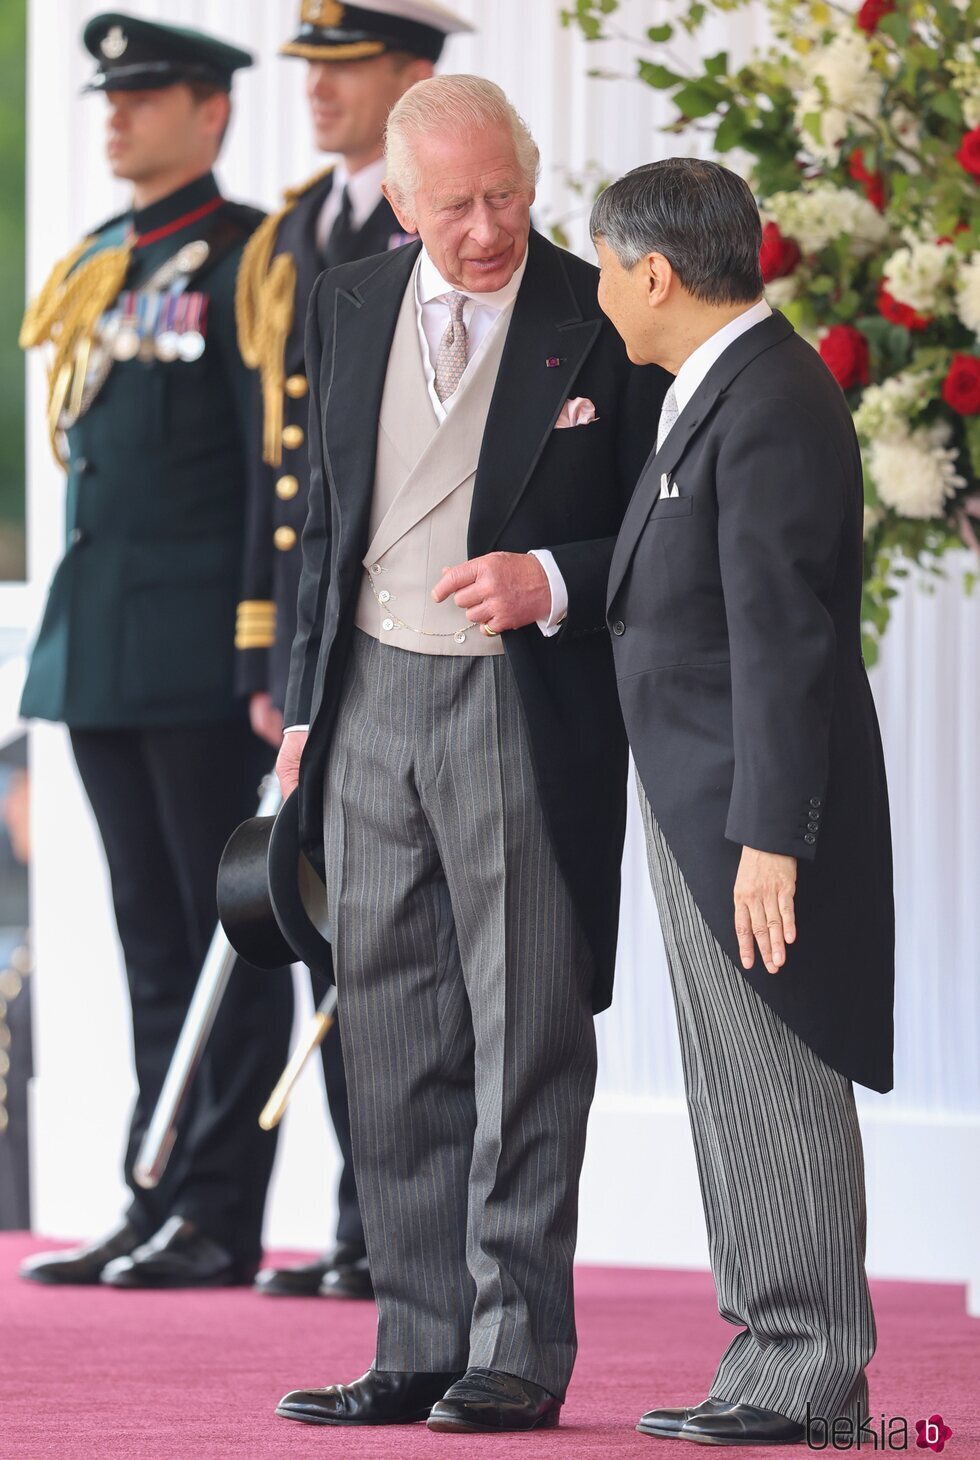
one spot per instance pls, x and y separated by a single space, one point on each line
697 365
364 188
482 314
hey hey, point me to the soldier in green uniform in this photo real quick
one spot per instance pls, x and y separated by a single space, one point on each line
360 60
149 406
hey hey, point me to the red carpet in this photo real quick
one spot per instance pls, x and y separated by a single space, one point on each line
100 1375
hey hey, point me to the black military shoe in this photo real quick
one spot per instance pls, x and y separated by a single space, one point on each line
487 1400
669 1421
178 1256
304 1279
80 1264
742 1424
379 1397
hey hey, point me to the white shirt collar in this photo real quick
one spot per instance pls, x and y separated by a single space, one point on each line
364 188
697 365
431 285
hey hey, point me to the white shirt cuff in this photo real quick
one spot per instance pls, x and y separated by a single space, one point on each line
287 729
559 593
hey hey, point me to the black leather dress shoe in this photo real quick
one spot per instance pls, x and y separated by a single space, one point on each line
669 1421
485 1400
345 1267
743 1424
178 1256
379 1397
80 1264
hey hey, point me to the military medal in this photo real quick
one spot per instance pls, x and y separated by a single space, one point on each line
168 339
149 315
190 345
126 344
192 256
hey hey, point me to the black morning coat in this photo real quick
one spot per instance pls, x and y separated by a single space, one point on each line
735 610
278 496
535 487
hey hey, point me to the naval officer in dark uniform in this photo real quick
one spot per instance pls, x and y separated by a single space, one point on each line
148 412
360 60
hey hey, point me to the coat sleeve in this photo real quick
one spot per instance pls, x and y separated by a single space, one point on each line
781 494
255 627
585 565
315 573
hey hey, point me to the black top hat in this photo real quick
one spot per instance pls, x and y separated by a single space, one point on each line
272 904
140 55
332 31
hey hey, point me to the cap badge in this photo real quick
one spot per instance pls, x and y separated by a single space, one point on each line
322 12
114 43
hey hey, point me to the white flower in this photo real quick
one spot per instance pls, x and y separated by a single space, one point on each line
872 516
922 275
904 127
885 410
968 294
780 292
915 473
816 216
843 90
964 67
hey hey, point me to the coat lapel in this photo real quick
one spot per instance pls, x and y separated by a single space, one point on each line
363 328
547 325
689 423
297 237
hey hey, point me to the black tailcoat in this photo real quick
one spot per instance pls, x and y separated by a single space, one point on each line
535 487
735 608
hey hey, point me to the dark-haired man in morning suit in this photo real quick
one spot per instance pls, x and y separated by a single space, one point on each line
734 604
463 773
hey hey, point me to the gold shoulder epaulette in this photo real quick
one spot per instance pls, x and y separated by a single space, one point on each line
265 305
65 312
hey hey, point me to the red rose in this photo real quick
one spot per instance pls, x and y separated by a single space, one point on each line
872 12
968 156
844 351
961 388
778 256
872 183
902 314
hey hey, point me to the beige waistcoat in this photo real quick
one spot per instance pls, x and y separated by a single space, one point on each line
423 490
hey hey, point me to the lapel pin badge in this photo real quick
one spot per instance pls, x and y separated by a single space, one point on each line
553 361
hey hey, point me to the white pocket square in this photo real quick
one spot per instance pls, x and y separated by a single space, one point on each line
576 412
666 490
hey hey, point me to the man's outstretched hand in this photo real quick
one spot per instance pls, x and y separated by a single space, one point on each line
288 759
764 912
499 591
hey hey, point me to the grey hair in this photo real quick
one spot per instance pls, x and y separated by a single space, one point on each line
450 104
701 216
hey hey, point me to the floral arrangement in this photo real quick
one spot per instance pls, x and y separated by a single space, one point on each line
862 132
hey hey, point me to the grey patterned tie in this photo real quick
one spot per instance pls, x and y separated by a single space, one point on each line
451 360
668 415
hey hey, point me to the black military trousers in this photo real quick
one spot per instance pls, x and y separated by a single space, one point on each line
166 800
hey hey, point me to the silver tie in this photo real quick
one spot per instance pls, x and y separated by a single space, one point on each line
668 415
451 360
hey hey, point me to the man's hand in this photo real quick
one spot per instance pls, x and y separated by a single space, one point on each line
499 591
764 891
265 718
288 759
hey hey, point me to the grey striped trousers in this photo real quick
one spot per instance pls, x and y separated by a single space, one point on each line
464 986
781 1168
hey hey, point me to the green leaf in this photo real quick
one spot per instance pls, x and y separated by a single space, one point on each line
697 99
731 130
896 26
717 65
948 105
660 33
656 76
813 124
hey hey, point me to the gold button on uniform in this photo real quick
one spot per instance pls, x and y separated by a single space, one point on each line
292 437
296 387
284 538
286 489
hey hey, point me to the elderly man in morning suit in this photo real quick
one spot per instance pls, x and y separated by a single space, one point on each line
475 430
735 608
